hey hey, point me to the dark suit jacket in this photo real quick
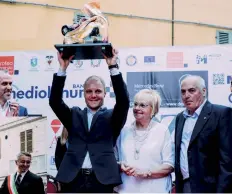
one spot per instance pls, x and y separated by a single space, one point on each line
31 183
98 141
22 111
209 152
59 153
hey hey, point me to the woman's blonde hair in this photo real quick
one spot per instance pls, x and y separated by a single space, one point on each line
64 136
152 96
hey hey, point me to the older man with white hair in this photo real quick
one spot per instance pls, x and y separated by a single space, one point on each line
203 141
7 107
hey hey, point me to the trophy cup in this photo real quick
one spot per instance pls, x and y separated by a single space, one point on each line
88 37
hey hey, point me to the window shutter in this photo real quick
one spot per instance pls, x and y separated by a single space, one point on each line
22 141
224 37
26 138
29 140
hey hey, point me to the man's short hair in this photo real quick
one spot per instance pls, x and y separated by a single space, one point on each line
200 81
95 78
23 154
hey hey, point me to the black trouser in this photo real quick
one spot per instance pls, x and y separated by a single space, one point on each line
86 182
186 186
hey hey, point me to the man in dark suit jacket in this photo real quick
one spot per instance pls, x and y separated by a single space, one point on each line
24 181
8 108
203 141
89 165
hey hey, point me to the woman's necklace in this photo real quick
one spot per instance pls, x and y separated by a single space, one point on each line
139 140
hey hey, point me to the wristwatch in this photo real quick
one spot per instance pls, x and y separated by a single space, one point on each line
114 66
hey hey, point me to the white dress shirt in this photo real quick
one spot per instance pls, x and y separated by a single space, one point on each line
4 108
87 162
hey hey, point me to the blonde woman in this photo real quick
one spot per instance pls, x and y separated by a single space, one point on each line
145 149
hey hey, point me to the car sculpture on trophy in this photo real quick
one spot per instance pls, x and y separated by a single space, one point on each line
87 38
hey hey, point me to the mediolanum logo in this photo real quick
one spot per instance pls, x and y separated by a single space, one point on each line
36 92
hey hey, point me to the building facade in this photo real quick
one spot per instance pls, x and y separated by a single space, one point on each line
36 24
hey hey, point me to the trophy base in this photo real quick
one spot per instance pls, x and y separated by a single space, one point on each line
85 51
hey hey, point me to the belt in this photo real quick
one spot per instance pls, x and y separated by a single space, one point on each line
186 180
86 171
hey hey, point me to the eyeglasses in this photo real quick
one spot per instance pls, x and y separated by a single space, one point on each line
140 105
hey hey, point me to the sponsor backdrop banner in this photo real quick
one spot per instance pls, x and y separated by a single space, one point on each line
167 83
161 69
